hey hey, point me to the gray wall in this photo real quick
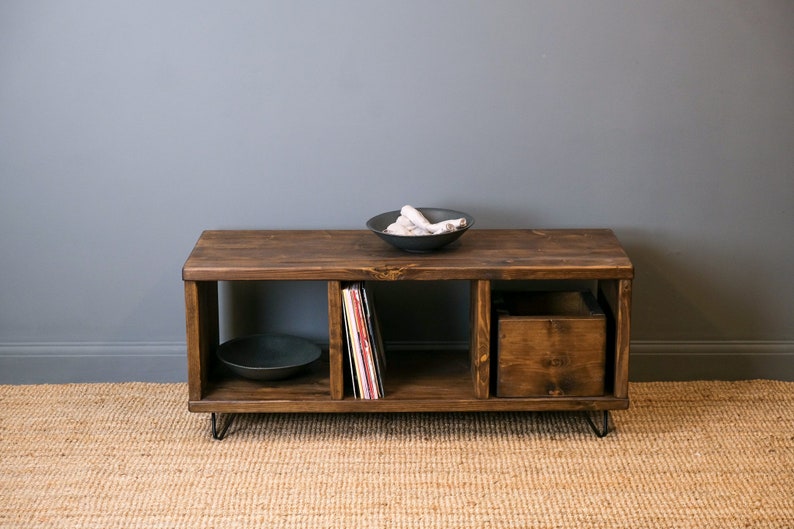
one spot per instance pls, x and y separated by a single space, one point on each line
126 128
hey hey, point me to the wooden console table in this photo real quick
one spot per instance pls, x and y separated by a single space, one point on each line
415 382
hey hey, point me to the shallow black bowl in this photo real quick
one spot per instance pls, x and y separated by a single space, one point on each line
419 243
268 356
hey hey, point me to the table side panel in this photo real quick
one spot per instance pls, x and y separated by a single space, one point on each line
623 341
617 296
202 333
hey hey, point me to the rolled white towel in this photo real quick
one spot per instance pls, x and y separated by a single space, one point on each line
415 216
412 222
398 229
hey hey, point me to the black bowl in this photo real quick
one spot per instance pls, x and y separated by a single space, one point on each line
268 356
419 243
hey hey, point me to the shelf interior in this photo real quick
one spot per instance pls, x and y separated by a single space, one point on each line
410 375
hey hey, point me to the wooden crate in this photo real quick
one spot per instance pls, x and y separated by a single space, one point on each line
549 344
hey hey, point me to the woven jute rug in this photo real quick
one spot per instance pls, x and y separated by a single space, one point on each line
695 454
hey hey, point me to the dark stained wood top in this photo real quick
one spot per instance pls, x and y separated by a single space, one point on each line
228 255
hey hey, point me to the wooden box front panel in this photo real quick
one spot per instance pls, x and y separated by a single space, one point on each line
551 344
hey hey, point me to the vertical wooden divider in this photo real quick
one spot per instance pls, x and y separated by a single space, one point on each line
335 340
480 343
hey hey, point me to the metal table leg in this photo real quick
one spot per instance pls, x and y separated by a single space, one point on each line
218 436
604 430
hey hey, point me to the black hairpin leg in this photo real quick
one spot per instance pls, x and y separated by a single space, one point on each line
218 436
604 428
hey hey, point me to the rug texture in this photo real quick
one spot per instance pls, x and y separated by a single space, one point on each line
685 455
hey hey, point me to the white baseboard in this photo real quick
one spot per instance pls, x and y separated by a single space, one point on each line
56 363
60 363
711 360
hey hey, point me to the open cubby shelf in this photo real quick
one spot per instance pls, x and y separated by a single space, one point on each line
415 381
